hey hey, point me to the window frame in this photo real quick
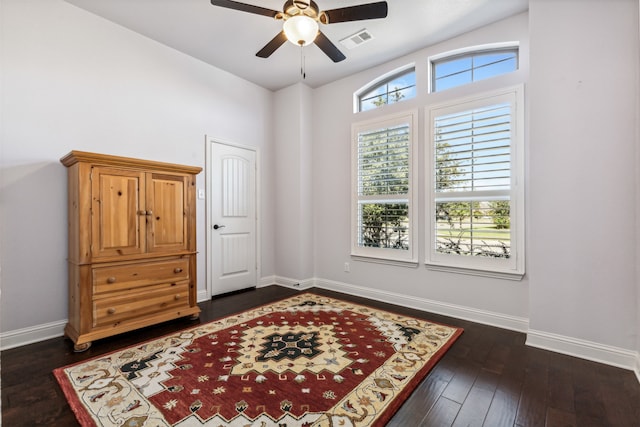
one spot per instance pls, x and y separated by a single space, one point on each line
469 52
387 255
514 266
384 80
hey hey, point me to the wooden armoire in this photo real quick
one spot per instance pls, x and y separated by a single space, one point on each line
132 244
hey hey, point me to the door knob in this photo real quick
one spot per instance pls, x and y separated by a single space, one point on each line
215 227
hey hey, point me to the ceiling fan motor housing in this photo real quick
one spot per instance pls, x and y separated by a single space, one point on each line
301 4
293 8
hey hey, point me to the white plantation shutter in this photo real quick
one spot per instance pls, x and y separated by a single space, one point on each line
475 150
383 163
475 199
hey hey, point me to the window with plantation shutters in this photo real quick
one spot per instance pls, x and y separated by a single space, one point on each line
383 224
476 194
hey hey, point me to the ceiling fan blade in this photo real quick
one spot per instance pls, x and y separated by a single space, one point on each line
357 13
271 47
229 4
329 48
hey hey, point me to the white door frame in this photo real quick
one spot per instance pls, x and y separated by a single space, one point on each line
209 141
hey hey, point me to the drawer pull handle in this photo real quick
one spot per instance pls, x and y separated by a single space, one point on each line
177 270
111 280
111 310
178 296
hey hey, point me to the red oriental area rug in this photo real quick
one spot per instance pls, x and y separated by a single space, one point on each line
305 361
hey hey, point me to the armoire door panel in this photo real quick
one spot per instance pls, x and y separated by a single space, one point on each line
166 208
117 206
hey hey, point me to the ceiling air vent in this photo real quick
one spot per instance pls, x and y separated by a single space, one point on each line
356 39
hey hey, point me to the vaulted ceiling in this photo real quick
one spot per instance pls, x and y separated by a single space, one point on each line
229 39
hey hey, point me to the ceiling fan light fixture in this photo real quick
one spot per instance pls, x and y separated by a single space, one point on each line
301 30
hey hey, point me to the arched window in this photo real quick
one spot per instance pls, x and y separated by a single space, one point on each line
459 69
397 87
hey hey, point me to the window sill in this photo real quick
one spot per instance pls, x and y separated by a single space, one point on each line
508 275
398 263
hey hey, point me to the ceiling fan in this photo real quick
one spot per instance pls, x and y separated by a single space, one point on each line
301 19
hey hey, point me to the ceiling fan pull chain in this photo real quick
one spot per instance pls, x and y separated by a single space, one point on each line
303 71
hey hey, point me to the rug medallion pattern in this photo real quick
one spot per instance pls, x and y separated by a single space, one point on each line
304 361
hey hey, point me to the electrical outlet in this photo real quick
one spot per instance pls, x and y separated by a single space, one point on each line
347 267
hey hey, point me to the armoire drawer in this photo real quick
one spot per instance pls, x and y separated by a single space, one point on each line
153 299
115 278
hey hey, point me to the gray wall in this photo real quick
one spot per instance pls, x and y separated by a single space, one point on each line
582 102
73 81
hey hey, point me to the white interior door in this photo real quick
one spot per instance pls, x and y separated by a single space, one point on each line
231 218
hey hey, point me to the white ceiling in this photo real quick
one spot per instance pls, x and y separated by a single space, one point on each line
228 39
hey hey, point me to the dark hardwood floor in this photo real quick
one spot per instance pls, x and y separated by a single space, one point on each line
488 378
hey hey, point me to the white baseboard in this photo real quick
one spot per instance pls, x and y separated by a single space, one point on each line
583 349
39 333
203 296
460 312
294 283
560 344
30 335
266 281
479 316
